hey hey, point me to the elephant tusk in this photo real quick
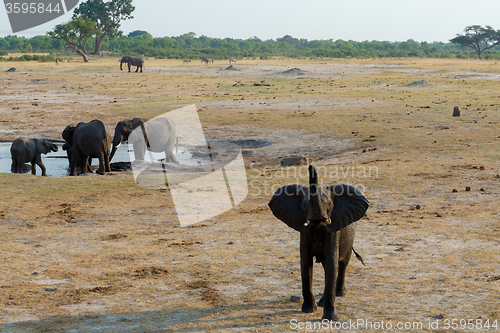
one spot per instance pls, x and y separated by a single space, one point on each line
307 223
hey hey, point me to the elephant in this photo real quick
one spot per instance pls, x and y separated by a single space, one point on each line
325 218
29 151
87 140
132 61
207 60
157 135
69 152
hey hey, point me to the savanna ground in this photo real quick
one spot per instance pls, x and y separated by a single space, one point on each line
99 253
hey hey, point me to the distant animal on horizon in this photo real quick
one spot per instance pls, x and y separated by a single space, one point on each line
325 218
29 151
132 61
186 61
233 59
207 60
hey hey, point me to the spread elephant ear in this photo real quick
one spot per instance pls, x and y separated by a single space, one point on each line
350 205
286 206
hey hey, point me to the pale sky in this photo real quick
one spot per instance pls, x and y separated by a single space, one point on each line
358 20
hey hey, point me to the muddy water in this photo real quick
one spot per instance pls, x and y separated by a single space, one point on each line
57 164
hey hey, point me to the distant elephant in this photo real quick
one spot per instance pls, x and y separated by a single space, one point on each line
186 61
325 218
88 140
207 60
156 135
132 61
29 151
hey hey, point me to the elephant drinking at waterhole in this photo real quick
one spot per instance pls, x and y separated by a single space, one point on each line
325 218
156 135
87 140
29 151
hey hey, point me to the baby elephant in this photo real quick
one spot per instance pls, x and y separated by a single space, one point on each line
29 151
325 218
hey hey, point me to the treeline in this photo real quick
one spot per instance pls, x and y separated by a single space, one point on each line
189 46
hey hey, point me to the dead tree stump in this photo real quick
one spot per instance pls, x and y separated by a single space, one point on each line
456 112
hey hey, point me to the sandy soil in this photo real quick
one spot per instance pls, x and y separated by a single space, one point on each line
98 253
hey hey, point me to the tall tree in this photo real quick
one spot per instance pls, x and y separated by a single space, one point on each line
76 34
478 38
107 17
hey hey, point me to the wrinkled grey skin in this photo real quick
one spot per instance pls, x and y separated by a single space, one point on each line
132 61
157 135
326 232
88 140
29 151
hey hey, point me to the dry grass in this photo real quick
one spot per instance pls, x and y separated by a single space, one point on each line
102 253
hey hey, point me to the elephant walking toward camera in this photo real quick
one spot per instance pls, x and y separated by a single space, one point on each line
325 218
29 151
156 135
132 61
87 140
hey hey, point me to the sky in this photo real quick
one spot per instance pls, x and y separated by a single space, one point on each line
358 20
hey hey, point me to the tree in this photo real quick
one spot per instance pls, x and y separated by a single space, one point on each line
107 17
76 34
478 38
137 33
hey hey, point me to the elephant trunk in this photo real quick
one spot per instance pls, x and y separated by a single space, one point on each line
121 62
117 140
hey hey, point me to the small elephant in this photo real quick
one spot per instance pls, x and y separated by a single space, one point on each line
325 218
87 140
69 153
132 61
157 135
29 151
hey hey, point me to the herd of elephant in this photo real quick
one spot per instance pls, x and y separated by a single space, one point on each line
89 140
325 216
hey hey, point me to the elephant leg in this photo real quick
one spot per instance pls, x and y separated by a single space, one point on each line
340 289
128 63
137 69
33 168
169 157
85 164
74 161
141 69
306 270
102 168
107 167
44 171
14 167
331 272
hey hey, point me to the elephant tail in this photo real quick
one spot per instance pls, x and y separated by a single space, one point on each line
176 144
358 256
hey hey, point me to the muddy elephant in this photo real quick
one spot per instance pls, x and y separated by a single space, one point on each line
30 151
132 61
325 218
87 140
157 135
